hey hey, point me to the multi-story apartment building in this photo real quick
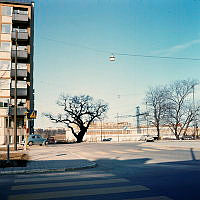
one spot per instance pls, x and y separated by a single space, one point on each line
16 27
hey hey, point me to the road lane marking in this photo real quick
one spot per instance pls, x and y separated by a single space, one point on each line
67 184
77 193
146 149
167 148
153 198
102 152
62 178
134 150
120 152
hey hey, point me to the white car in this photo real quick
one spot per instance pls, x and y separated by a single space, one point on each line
149 138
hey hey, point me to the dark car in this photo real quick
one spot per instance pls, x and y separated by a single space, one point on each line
187 137
107 139
51 140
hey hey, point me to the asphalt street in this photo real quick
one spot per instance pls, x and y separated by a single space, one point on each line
138 171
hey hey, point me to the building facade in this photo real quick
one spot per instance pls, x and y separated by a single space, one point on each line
16 55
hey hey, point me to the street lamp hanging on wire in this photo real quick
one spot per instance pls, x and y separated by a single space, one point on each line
112 58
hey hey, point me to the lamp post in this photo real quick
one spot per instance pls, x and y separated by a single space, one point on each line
101 130
15 94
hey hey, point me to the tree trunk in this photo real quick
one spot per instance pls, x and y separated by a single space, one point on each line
81 135
158 132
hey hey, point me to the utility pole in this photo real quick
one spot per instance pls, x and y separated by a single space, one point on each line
138 119
194 124
15 95
117 127
147 120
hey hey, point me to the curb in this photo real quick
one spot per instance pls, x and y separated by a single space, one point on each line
92 165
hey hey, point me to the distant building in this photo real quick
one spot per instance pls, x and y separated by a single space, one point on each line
16 20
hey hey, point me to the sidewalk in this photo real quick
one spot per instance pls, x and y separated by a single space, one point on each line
45 159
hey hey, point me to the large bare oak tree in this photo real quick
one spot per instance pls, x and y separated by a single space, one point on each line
78 113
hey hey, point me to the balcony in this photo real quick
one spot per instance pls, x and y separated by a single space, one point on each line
23 54
21 92
3 111
20 35
20 17
21 73
20 111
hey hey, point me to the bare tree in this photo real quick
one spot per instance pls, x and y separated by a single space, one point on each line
180 112
156 101
79 113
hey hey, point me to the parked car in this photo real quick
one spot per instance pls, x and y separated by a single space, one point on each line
36 139
187 137
107 139
51 140
149 138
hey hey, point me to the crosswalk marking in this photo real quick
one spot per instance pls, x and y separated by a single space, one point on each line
153 198
42 174
62 177
76 193
66 184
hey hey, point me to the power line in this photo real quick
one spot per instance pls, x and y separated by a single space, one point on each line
161 57
120 54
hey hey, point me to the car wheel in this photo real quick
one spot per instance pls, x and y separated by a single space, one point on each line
30 143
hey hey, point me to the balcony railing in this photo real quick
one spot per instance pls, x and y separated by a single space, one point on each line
20 111
21 92
3 111
20 54
20 73
20 35
20 17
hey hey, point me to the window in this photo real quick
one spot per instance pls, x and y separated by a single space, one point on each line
33 136
5 46
3 103
6 11
5 65
6 28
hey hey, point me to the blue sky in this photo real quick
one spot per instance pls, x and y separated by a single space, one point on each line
74 39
